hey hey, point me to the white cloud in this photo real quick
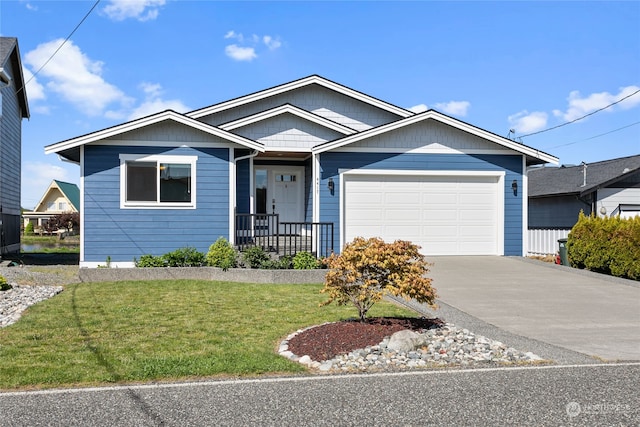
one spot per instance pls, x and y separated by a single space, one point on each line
271 43
75 77
39 175
240 53
580 106
153 102
232 35
455 108
245 48
35 91
142 10
418 108
524 121
29 6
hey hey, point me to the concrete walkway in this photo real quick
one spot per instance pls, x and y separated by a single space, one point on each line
582 311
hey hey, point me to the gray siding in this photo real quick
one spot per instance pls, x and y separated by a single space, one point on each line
556 211
288 131
316 99
10 158
125 234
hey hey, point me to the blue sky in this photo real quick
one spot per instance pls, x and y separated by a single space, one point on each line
501 66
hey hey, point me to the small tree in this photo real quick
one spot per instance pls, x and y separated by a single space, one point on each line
28 230
66 220
368 269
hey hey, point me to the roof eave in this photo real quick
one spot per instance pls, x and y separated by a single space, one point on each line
533 156
147 121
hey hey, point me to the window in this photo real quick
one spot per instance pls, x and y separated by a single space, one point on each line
157 181
62 206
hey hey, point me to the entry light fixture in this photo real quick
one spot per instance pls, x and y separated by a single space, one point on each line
514 187
331 186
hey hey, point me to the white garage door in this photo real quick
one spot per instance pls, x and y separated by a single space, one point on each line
445 215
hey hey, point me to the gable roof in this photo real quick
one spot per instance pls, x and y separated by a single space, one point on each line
288 109
68 148
10 57
533 156
548 181
306 81
70 191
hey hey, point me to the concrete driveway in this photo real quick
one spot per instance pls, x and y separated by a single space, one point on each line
582 311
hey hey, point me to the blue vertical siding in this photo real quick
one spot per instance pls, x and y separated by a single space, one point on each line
125 234
243 190
331 162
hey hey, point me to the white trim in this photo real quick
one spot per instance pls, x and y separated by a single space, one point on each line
420 172
232 197
525 206
423 150
112 264
290 109
191 160
83 233
177 144
147 121
500 193
431 114
296 85
315 188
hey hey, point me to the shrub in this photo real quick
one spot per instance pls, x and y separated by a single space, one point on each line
222 254
368 269
606 245
28 230
283 263
151 261
4 285
305 261
185 257
255 257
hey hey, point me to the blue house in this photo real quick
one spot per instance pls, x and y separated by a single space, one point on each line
311 162
13 108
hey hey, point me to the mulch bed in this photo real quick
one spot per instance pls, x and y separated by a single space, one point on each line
324 342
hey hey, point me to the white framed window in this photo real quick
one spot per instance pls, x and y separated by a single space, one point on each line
62 206
157 181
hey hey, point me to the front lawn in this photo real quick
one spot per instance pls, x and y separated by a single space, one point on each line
121 332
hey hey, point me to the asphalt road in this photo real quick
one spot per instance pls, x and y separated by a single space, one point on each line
589 395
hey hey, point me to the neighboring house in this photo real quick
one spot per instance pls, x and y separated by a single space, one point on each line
59 198
558 194
13 108
312 151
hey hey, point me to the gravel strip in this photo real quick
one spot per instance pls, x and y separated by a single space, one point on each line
16 300
447 345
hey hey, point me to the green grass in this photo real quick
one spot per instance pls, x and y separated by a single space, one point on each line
123 332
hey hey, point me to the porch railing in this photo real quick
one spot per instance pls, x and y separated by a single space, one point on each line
283 238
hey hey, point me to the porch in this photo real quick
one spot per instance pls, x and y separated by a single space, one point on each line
283 238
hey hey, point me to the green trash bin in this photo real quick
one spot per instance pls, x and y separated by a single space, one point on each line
564 259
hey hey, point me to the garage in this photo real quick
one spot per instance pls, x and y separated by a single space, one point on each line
446 213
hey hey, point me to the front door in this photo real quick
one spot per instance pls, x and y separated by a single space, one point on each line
280 190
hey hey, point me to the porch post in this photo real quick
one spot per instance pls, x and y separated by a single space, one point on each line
232 196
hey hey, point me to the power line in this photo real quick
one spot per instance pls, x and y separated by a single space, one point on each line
580 118
60 47
597 136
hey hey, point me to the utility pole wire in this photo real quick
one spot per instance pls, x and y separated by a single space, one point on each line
59 47
596 136
580 118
